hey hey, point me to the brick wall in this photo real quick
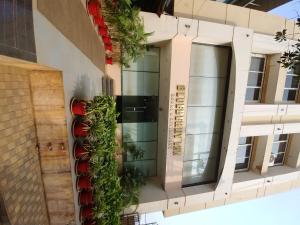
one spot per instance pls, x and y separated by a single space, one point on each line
20 175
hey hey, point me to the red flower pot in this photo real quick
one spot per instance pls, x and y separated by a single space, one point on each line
106 40
85 198
86 213
93 7
108 47
103 31
79 152
89 222
82 167
79 129
108 60
77 107
99 20
83 183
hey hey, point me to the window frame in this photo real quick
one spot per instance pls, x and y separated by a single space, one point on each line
284 152
295 89
262 79
249 157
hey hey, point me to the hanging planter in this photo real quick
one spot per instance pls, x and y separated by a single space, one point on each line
80 151
106 40
77 107
82 167
108 47
85 198
99 21
93 7
103 31
80 129
83 183
86 213
108 60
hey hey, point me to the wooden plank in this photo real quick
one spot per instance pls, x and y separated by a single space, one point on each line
53 97
55 161
59 195
46 79
54 117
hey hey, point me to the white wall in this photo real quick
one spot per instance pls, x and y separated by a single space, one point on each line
81 77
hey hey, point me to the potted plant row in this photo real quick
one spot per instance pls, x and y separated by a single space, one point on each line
94 10
103 193
98 182
121 29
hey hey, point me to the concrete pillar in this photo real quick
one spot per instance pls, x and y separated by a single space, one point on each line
180 66
293 151
262 152
274 80
241 45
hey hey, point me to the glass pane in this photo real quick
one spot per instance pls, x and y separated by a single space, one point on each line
255 79
242 164
199 171
151 60
280 137
151 83
245 140
140 83
252 94
295 70
209 61
149 63
135 132
148 148
257 64
278 147
289 95
243 151
132 83
205 91
203 120
291 82
279 158
148 167
196 145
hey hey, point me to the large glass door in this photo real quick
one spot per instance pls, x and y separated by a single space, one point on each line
205 114
138 106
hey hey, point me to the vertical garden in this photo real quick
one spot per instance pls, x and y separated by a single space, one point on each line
103 192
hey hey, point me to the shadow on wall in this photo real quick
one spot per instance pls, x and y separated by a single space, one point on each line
84 88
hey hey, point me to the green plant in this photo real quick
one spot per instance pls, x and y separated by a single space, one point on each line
131 181
291 57
130 147
111 192
126 28
101 114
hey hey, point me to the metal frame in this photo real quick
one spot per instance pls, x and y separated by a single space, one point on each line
250 155
296 89
285 150
262 79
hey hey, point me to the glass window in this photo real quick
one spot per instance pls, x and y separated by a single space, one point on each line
207 91
291 87
140 86
255 79
243 154
278 149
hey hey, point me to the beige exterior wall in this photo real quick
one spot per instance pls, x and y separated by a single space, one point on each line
218 12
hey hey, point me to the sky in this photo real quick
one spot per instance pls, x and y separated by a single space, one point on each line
279 209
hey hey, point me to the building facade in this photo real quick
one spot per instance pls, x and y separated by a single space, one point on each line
216 115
